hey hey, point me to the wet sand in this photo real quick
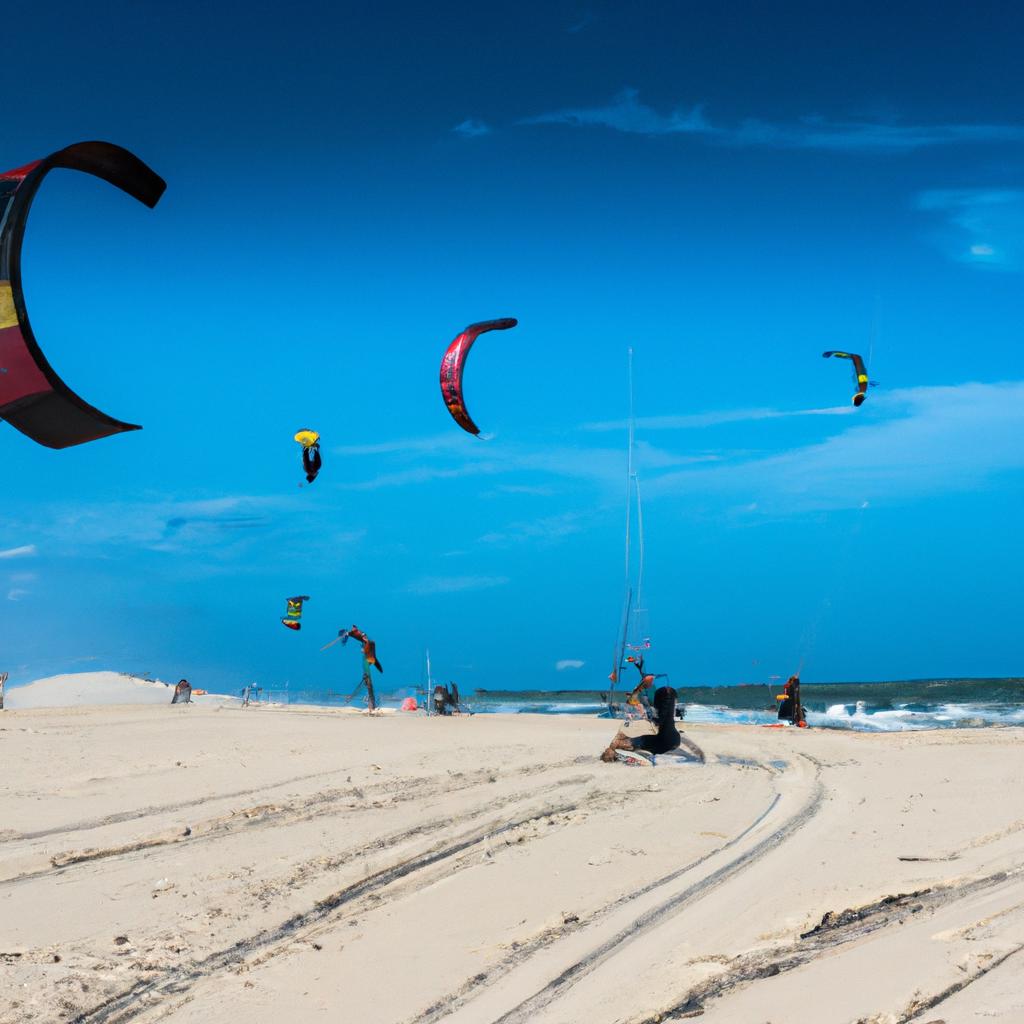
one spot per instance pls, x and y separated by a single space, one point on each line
214 864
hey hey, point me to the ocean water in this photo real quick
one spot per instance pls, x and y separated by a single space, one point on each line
868 707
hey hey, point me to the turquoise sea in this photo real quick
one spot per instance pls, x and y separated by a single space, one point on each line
879 707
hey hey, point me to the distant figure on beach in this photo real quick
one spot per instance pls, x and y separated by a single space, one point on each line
446 700
665 739
790 708
440 700
182 692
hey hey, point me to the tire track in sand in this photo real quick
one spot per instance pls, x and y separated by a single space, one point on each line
325 804
470 989
145 994
525 1011
834 932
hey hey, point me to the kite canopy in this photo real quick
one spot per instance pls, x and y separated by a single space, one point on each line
293 612
311 461
454 362
860 373
33 398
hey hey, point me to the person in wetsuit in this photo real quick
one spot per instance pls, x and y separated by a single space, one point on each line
665 739
182 693
442 700
790 708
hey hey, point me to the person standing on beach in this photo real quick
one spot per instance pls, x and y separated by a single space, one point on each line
182 692
790 708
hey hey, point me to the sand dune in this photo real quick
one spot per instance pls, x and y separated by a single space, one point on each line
85 689
215 864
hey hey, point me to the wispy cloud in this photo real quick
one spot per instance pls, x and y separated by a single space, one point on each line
933 440
472 128
194 524
448 441
436 461
583 21
627 113
547 529
536 490
219 531
16 593
25 551
695 421
982 227
568 664
870 137
427 585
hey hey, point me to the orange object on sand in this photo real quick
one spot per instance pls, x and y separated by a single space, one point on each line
198 693
409 704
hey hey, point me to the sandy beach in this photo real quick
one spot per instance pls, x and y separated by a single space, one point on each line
207 864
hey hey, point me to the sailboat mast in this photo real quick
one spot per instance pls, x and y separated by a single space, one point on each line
639 607
620 647
629 467
428 696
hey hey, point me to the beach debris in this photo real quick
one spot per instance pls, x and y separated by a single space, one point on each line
164 885
120 940
33 398
453 363
831 919
188 831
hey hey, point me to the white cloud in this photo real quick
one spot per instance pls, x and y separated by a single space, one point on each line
981 227
453 584
25 551
448 441
933 440
445 462
547 529
16 593
472 128
626 113
694 421
568 663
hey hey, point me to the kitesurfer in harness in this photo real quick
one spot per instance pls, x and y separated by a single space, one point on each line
790 708
665 739
638 698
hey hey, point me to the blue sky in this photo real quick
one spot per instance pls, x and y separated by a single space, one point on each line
728 190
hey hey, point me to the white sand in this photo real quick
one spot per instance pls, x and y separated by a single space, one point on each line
214 865
83 689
